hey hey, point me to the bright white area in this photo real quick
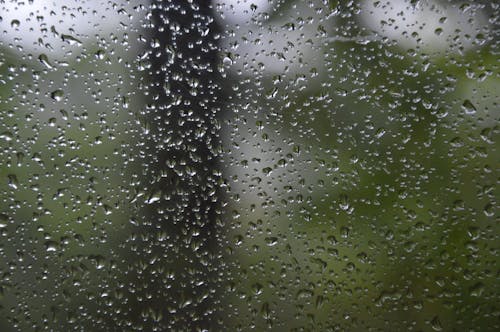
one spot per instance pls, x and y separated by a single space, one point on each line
56 27
428 25
241 11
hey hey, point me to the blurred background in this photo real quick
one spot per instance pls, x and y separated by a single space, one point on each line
249 165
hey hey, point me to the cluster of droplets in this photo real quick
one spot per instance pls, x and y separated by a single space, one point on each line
248 165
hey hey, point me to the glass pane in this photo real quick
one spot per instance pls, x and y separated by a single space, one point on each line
236 165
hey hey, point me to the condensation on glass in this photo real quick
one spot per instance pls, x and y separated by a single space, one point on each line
238 165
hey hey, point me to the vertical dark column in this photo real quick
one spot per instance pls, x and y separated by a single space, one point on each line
175 256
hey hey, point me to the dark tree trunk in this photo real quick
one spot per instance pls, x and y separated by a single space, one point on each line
174 262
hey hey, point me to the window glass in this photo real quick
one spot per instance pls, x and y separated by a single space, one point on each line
237 165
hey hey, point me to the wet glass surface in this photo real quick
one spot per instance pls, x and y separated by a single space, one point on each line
237 165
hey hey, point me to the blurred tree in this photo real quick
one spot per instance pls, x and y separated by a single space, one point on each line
174 257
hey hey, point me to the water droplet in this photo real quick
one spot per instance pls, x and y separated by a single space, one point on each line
477 289
489 210
227 61
438 31
44 59
100 54
154 197
344 232
7 136
51 246
57 95
257 288
12 181
4 220
344 202
271 241
267 170
125 102
468 107
71 40
380 132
